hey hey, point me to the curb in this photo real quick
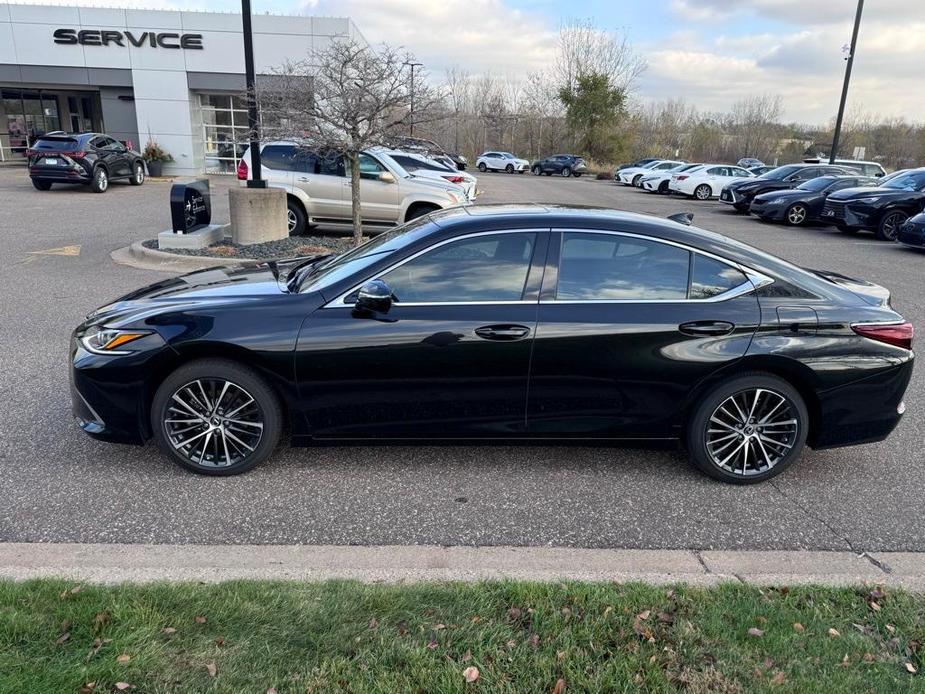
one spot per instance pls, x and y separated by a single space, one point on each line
137 256
116 563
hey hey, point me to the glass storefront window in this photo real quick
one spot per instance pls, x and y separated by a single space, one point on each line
225 133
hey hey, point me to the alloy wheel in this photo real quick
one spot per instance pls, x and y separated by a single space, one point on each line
139 174
213 422
537 171
796 215
891 223
102 180
751 431
702 192
566 172
291 220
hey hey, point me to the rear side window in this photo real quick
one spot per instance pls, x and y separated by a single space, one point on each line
63 145
278 157
602 267
711 278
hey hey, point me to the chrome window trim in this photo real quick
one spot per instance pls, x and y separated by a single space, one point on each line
338 302
756 280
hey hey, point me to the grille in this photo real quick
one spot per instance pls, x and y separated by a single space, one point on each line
834 209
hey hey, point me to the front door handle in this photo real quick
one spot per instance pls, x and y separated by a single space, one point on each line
302 179
503 332
702 328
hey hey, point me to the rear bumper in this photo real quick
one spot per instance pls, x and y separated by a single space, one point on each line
59 174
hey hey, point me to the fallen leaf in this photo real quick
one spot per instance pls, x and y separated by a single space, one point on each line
534 640
797 627
768 663
875 606
169 630
373 623
122 686
88 688
211 669
200 619
432 645
607 610
220 641
890 628
845 661
910 668
64 637
123 659
511 643
877 593
644 614
560 656
834 633
75 590
869 658
778 678
669 594
514 614
101 619
665 618
439 627
560 686
467 656
272 690
755 631
471 674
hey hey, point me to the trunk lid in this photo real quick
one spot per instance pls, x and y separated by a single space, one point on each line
873 294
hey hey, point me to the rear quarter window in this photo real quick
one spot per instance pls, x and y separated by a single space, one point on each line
711 277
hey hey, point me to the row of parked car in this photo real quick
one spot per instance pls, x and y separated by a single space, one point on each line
566 165
852 195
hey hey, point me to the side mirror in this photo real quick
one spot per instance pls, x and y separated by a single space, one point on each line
375 297
386 177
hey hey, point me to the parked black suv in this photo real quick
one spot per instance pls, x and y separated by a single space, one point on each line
562 164
882 209
91 159
740 194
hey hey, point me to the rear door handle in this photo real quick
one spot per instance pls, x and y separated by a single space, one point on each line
503 332
701 328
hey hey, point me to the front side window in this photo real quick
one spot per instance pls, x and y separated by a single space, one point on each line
607 267
481 268
370 168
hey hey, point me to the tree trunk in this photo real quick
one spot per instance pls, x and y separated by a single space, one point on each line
355 198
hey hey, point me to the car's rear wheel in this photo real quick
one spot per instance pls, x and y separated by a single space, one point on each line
797 214
482 167
748 429
566 172
41 185
888 229
296 220
703 192
100 182
663 188
138 174
509 168
216 417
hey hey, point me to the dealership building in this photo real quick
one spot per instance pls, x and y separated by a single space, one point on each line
174 77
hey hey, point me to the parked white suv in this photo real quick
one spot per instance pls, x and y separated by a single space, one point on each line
501 161
318 187
420 165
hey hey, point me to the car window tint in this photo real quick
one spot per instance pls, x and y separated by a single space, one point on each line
370 168
846 183
278 157
62 145
482 268
331 164
609 267
711 277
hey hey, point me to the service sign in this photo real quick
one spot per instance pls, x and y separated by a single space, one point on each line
190 205
111 37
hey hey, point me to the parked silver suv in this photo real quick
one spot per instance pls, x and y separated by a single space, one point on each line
318 187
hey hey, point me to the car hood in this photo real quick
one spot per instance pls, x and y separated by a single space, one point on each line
868 192
787 193
754 184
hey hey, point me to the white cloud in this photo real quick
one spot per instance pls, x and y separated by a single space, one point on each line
799 12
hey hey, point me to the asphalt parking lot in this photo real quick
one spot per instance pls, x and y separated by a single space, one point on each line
56 484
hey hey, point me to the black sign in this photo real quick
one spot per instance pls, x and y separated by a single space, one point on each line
100 37
190 205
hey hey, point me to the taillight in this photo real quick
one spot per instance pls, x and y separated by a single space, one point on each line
76 155
898 334
682 178
455 179
242 170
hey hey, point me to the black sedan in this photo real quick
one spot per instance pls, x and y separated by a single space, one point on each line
882 209
563 164
804 203
91 159
912 233
740 194
501 323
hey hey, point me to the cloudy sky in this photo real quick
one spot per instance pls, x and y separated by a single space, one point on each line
711 52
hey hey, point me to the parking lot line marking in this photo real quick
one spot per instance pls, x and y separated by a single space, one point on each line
63 250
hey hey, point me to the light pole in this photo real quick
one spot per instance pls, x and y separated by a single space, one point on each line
253 123
411 116
844 89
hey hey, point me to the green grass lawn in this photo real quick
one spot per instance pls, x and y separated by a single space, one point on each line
520 637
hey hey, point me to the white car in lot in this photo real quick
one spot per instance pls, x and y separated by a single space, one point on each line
501 161
421 166
707 181
632 175
657 182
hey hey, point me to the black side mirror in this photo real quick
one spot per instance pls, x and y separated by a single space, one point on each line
374 297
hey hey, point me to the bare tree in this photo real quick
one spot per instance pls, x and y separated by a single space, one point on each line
756 125
585 49
345 98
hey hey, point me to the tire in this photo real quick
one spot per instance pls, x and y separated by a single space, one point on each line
138 174
703 192
100 182
509 168
846 230
419 211
549 173
635 181
225 452
41 185
536 170
295 218
797 215
888 228
774 447
566 172
522 171
663 188
739 209
481 167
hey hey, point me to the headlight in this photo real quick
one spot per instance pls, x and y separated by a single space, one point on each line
871 199
111 340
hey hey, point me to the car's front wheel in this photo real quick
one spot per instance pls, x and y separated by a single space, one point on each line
536 170
100 182
509 168
888 229
41 185
748 429
481 167
138 174
797 214
216 417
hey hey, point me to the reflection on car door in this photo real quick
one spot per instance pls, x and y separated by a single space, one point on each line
379 200
450 358
626 330
322 176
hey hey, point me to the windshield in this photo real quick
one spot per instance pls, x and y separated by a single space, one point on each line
817 184
779 173
909 181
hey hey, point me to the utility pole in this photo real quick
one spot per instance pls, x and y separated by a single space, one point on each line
412 66
253 122
844 89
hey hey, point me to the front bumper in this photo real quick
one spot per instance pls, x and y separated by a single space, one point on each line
774 211
912 234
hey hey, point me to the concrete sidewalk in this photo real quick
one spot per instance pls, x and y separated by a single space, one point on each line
113 563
